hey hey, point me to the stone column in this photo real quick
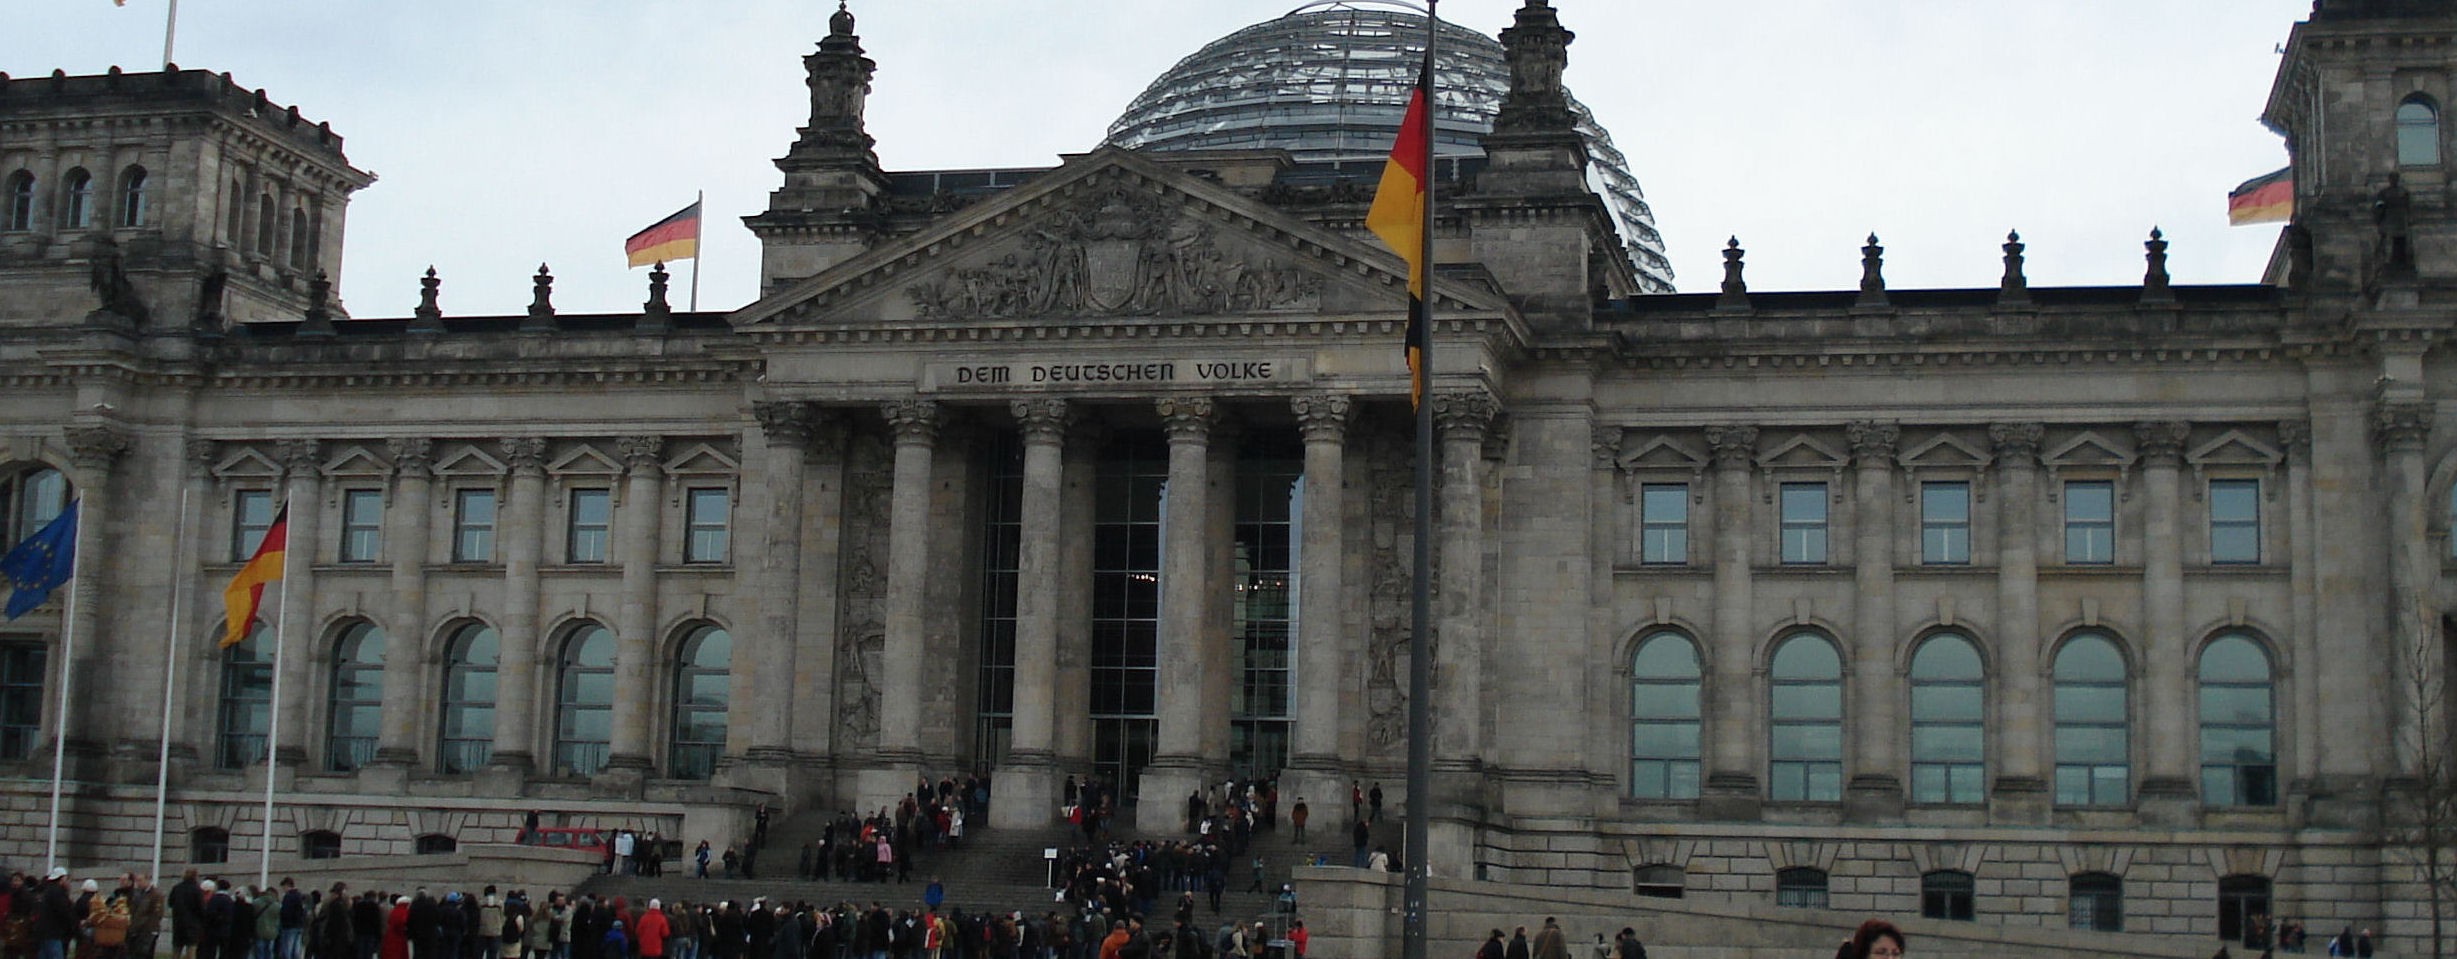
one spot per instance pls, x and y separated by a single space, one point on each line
1608 540
410 517
768 654
94 451
2401 429
1875 792
521 537
1028 783
820 594
1315 768
2303 559
1735 758
635 618
200 628
1458 724
1179 764
2169 794
303 468
915 424
2020 794
1077 506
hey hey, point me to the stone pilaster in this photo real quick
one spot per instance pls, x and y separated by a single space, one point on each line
303 470
2303 559
1078 506
2401 430
1028 791
775 575
1179 764
2020 793
1737 752
1315 768
820 593
635 618
2169 795
1875 791
1462 420
915 425
521 538
410 517
94 451
192 689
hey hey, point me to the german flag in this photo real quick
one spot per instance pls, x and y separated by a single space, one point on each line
676 237
244 597
2263 199
1398 217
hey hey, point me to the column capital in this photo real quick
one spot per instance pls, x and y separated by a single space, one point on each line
1188 419
1604 442
95 448
642 453
785 424
1733 447
1043 420
412 456
1464 414
2017 444
300 457
2401 427
2161 442
200 455
527 454
913 421
2295 436
827 436
1872 443
1322 417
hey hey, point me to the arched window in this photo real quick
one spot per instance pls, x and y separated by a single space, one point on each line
2418 133
2093 732
584 701
267 222
31 498
1946 894
1948 722
435 844
467 739
20 202
208 844
2239 759
1806 732
132 197
236 231
1801 887
2096 902
78 214
320 844
701 694
1663 738
1662 881
247 701
356 707
2240 900
298 239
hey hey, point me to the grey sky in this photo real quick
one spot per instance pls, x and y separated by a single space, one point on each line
509 133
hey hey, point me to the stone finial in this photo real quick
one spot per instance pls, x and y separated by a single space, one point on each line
2161 442
2015 287
1872 275
541 303
1732 445
839 80
913 421
1872 443
527 454
656 315
2154 283
412 456
841 24
2017 442
1538 49
1735 288
319 318
429 316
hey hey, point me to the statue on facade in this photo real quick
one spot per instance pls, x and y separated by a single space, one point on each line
110 283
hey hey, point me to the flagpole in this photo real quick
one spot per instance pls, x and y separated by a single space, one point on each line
68 666
697 253
273 717
170 31
1420 653
170 682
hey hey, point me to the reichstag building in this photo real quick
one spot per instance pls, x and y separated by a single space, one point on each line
2117 607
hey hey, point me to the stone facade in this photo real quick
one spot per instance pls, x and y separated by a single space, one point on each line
1761 596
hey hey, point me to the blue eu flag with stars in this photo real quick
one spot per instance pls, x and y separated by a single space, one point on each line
40 564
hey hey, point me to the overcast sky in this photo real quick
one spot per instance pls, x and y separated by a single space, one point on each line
509 133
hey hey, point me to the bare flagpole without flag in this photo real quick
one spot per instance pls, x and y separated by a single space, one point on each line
170 32
68 666
170 682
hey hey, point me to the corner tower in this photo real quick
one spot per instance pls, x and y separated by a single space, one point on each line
824 212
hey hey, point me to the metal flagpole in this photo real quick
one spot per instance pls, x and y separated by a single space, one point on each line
273 718
68 665
170 682
170 31
1420 653
697 254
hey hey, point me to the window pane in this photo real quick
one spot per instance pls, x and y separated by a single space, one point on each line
708 516
2077 702
2234 659
2089 657
2092 501
2418 134
1932 702
1666 657
1808 701
1946 657
2090 744
1807 657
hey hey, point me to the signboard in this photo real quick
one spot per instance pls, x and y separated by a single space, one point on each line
1077 374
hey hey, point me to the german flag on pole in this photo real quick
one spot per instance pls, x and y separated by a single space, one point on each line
244 597
676 237
1398 217
2263 199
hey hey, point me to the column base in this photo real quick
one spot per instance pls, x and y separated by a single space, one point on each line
2168 802
384 777
2020 801
624 777
2337 802
880 788
1731 797
1027 796
1160 797
760 771
1872 798
506 775
1324 789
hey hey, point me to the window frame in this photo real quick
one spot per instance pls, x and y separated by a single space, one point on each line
2088 525
1648 881
2403 127
77 186
1674 531
1954 792
2104 901
25 671
362 536
348 749
1668 784
1816 534
2236 900
1795 884
1807 766
697 758
134 198
1946 529
2246 779
571 756
231 737
20 192
246 535
2234 485
474 542
35 496
1948 894
576 532
458 755
2090 771
208 845
695 552
319 844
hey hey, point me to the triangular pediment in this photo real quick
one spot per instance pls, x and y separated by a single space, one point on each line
356 461
2234 448
1943 451
466 459
1802 451
2087 448
1110 235
1663 453
702 458
247 462
583 458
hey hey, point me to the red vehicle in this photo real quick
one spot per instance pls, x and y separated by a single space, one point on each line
566 837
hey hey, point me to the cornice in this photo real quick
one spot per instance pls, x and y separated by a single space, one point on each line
1145 329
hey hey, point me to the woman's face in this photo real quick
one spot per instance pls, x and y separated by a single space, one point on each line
1886 947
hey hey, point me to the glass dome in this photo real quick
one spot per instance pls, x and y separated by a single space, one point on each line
1329 82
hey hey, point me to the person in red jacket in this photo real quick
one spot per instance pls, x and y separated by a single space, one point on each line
649 933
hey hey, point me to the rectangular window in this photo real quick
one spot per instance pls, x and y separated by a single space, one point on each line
251 514
1663 523
2090 522
592 519
362 525
473 526
2235 521
1945 524
21 699
1804 523
706 518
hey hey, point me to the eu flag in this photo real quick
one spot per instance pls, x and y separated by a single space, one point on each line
41 563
